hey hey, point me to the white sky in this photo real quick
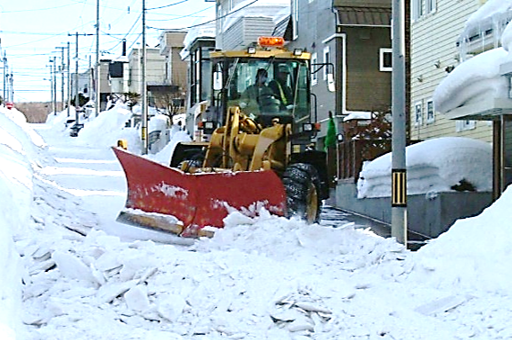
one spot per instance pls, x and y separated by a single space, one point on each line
31 31
262 278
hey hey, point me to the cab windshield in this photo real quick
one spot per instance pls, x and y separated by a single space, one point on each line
269 91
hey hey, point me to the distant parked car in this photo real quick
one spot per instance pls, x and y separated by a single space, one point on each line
75 129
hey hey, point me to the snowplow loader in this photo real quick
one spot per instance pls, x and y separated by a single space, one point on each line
258 155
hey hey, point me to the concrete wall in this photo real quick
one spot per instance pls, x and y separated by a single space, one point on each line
429 215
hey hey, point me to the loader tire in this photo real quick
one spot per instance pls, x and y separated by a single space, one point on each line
302 186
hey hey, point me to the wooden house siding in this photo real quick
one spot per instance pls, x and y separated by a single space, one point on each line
368 89
433 49
317 27
245 31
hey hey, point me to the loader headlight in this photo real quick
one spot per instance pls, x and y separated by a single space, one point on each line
308 127
208 125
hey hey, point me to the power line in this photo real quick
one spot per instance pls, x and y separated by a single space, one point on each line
28 33
38 9
191 15
56 35
165 6
120 17
209 21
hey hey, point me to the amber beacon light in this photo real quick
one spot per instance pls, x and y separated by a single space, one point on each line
271 41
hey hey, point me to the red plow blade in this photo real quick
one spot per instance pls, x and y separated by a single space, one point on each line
160 197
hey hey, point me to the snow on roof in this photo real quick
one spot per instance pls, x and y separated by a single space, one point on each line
478 77
488 22
357 115
474 79
203 31
492 8
122 58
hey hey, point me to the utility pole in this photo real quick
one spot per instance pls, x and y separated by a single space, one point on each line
144 113
51 87
11 83
398 169
53 77
97 98
90 78
62 67
55 83
4 75
3 69
77 102
69 79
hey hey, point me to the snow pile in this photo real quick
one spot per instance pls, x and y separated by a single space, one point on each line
108 128
242 284
176 136
19 158
455 252
58 120
71 271
435 165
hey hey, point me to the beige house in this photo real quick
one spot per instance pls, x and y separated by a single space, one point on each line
436 26
444 34
155 68
171 44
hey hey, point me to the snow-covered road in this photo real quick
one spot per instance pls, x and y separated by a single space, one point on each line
87 277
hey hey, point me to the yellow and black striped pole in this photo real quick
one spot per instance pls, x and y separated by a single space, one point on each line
399 188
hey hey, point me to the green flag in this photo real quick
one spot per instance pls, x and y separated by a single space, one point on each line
330 138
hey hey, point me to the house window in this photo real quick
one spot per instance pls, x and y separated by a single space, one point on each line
295 18
417 9
418 113
464 125
430 6
327 60
430 111
386 59
314 75
220 15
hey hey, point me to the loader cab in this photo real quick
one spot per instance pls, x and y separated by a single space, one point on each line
283 96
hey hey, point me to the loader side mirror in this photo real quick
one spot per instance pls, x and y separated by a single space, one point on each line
330 82
217 80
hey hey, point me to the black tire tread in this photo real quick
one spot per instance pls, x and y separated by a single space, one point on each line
297 179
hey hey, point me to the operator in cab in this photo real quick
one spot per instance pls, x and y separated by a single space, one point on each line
259 98
280 87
